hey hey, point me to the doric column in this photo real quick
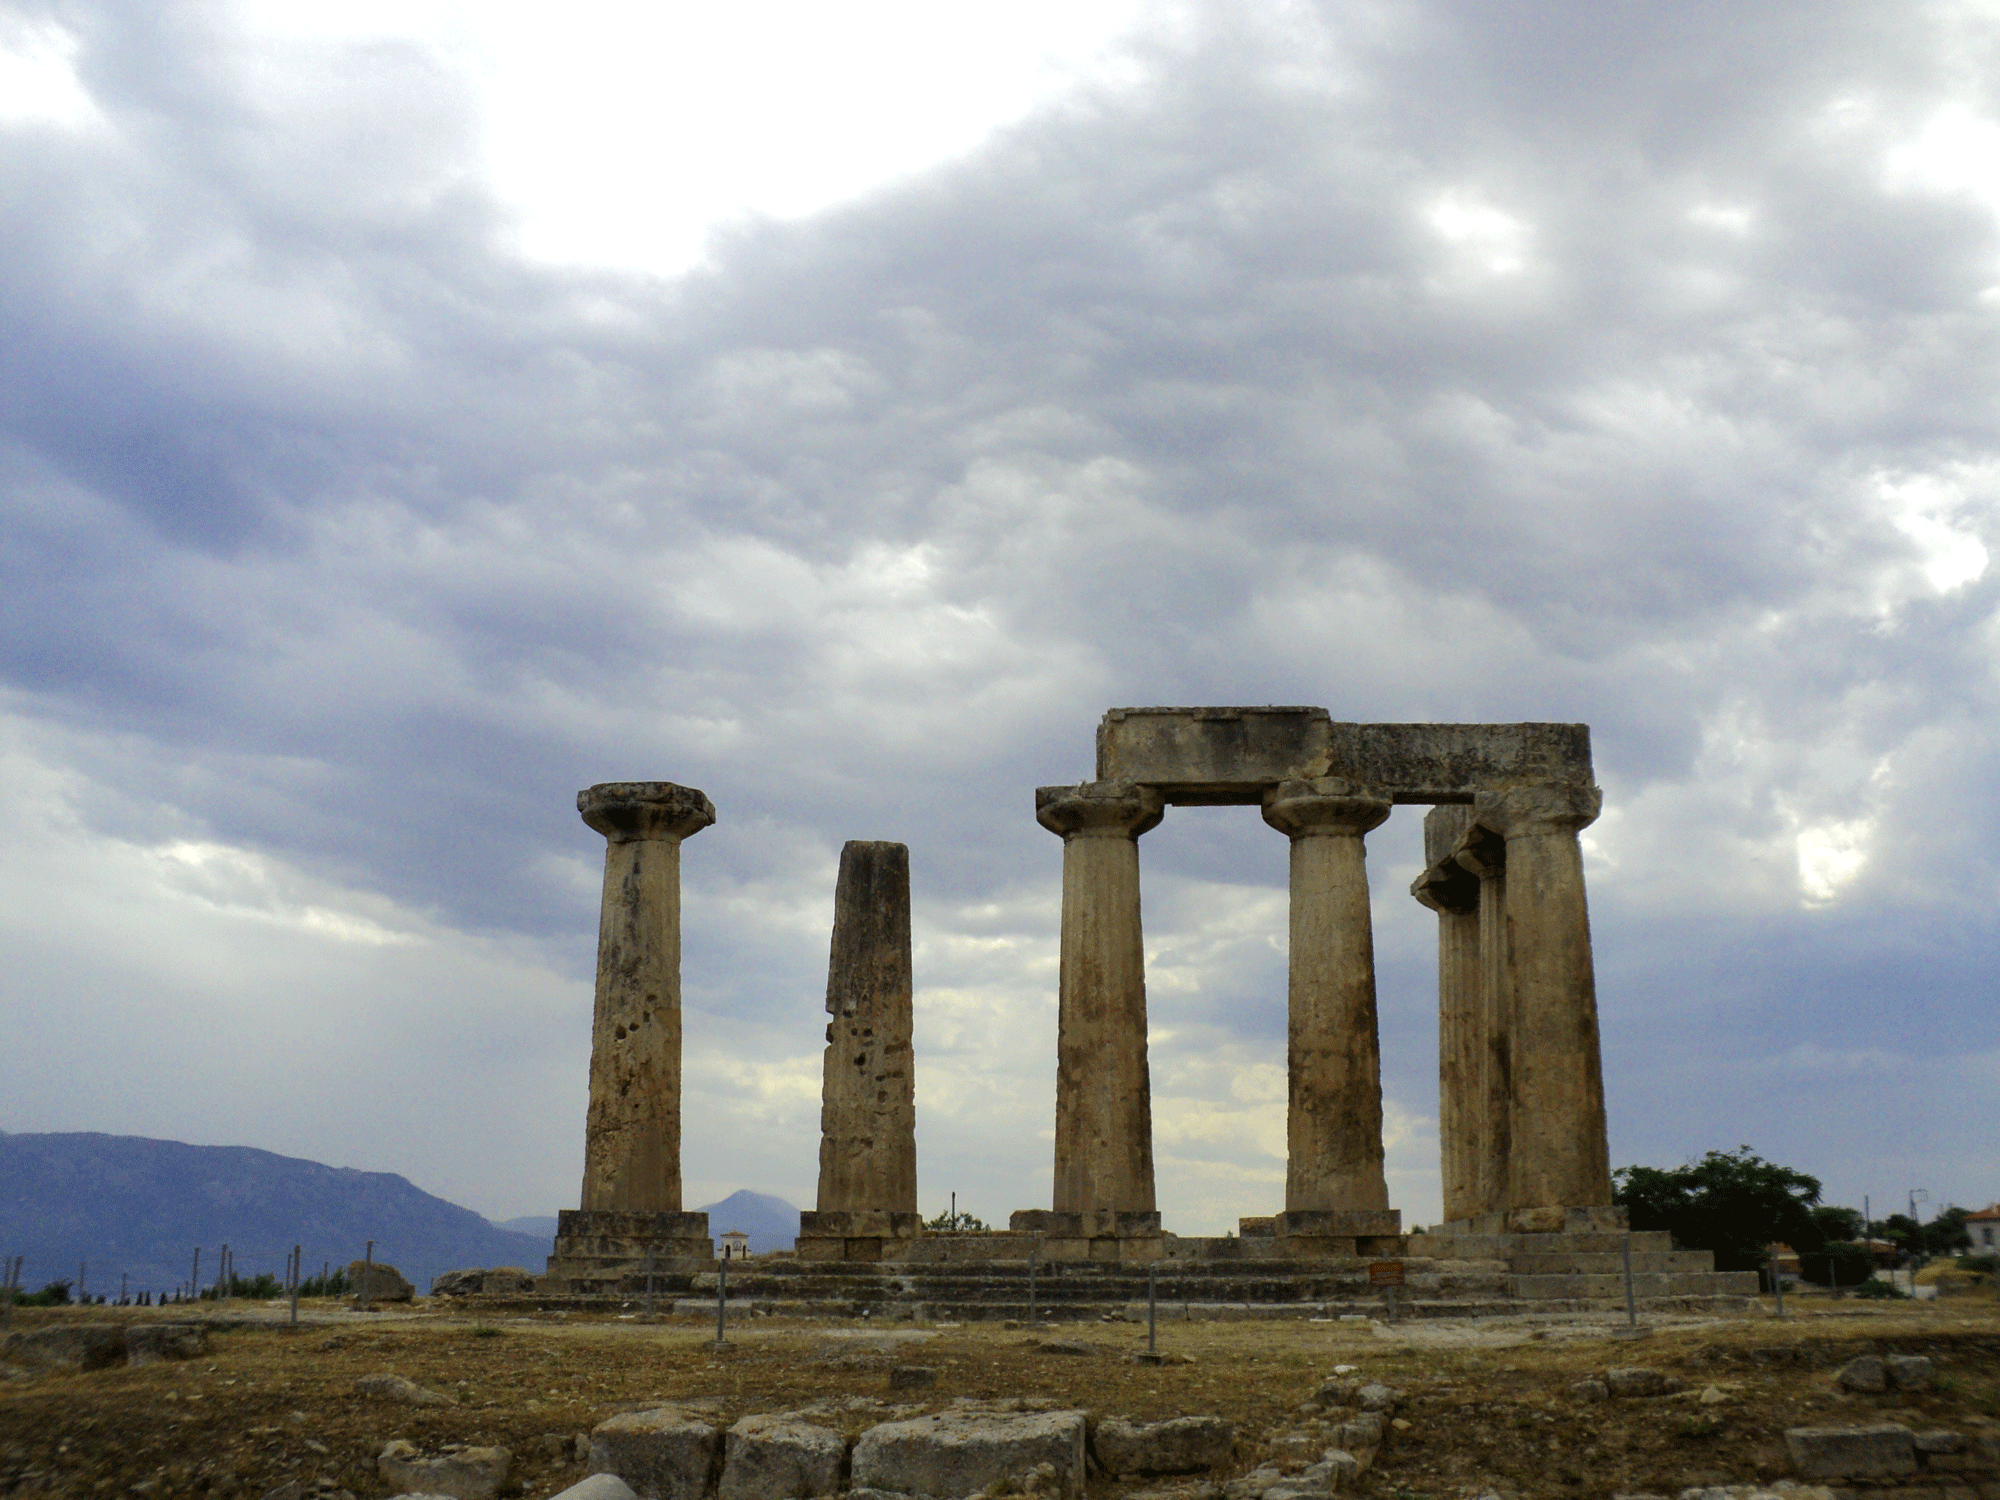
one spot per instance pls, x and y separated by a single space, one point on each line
1334 1123
1558 1156
1482 854
868 1111
632 1141
1104 1101
1452 891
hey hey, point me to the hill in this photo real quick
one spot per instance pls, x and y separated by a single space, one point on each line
771 1223
127 1205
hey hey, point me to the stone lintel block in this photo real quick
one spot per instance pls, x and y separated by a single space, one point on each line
1884 1450
635 1226
1094 1223
1342 1222
860 1223
1197 756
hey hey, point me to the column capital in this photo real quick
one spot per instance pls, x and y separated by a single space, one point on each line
626 812
1447 886
1481 852
1099 809
1541 807
1325 805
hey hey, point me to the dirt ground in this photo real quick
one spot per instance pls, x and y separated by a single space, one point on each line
1489 1404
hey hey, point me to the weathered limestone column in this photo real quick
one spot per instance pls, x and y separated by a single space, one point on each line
868 1103
1559 1158
1482 854
632 1140
1334 1123
1104 1099
631 1215
1452 891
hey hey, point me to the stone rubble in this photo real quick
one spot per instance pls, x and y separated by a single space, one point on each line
464 1473
397 1388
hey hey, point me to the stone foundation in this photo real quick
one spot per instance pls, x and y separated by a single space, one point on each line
601 1251
857 1234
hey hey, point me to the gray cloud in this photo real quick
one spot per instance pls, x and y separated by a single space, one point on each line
1423 361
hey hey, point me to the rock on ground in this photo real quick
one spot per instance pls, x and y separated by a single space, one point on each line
464 1473
1863 1373
958 1454
780 1457
502 1280
1882 1451
662 1454
73 1346
598 1487
396 1388
1183 1445
1633 1382
152 1343
1909 1372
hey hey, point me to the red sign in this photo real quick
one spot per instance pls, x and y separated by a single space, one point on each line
1385 1273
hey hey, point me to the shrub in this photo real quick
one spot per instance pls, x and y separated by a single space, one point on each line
1880 1291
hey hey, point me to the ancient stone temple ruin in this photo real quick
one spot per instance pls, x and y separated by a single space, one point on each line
1527 1189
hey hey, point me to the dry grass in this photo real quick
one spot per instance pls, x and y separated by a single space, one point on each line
1488 1404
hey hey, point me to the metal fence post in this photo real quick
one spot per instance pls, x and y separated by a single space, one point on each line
1631 1302
649 1281
1152 1305
721 1299
368 1276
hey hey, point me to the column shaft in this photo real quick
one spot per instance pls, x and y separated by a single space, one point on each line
1453 893
868 1114
1558 1153
632 1137
1495 1082
1104 1102
1334 1117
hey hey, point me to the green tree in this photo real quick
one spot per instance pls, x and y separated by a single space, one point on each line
955 1223
1731 1203
1836 1224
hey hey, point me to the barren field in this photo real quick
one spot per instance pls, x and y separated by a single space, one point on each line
1487 1404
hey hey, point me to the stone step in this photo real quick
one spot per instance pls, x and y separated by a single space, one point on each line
1506 1246
1651 1284
1613 1265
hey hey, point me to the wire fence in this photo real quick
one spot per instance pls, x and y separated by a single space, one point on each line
255 1273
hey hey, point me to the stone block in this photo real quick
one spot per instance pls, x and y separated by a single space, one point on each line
397 1388
1262 1226
1886 1450
1098 1223
964 1453
1344 1223
1938 1442
489 1281
463 1473
1864 1373
1180 1445
780 1457
662 1454
872 1224
1232 755
66 1346
155 1343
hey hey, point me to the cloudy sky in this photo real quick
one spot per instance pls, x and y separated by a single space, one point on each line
409 420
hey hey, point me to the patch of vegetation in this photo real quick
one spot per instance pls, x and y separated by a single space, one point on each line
1880 1291
1733 1204
485 1331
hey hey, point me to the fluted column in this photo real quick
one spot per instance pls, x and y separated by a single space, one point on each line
1334 1121
1482 854
1104 1102
632 1139
1452 891
1558 1155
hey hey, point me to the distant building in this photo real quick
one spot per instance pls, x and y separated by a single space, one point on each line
1984 1227
735 1244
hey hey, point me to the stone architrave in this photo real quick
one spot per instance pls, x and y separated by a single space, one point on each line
868 1114
1452 891
1334 1122
1558 1156
1104 1110
632 1141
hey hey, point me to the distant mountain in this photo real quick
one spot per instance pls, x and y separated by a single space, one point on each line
771 1223
126 1205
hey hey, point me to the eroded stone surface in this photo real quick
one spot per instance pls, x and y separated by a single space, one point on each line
1884 1450
868 1129
74 1346
463 1473
155 1343
381 1282
663 1454
958 1454
1181 1445
780 1456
